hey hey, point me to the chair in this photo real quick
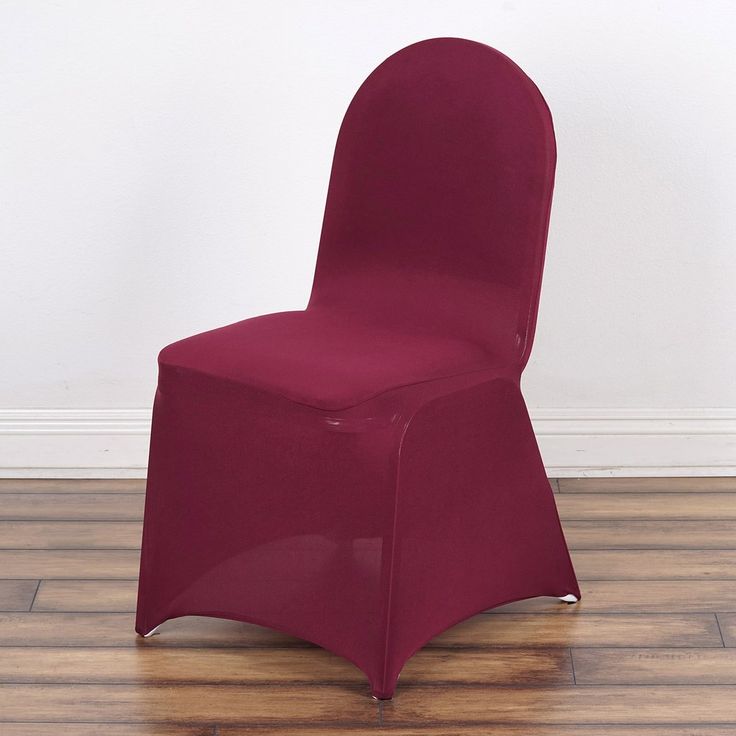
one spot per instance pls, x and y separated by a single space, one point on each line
363 474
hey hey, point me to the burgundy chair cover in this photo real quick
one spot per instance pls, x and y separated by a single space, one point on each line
363 474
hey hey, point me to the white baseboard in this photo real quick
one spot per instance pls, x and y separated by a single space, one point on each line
636 442
74 443
113 443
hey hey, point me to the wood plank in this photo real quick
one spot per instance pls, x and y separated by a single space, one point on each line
70 534
72 485
129 506
722 484
650 533
709 704
655 565
274 666
602 534
108 729
17 595
647 505
650 564
528 729
118 629
87 595
491 666
151 665
153 729
72 506
610 630
495 729
638 596
727 622
205 704
655 666
599 596
508 630
53 564
70 564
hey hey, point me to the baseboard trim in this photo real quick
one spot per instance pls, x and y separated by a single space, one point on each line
113 443
74 421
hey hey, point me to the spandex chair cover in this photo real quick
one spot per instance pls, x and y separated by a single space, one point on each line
363 474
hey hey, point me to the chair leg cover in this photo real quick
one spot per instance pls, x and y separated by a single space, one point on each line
367 531
363 474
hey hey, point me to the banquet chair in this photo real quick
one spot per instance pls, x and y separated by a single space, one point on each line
363 473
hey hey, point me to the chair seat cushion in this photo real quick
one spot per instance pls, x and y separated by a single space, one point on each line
323 358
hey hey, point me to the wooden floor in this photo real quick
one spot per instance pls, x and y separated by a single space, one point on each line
650 651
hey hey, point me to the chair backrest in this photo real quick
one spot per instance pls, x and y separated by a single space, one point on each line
439 198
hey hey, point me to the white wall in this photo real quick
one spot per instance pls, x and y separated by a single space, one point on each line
163 168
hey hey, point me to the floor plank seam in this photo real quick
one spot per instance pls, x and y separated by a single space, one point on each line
720 631
35 593
572 665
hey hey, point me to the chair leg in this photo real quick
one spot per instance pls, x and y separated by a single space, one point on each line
151 632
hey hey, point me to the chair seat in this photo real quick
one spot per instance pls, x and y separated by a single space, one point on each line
322 358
